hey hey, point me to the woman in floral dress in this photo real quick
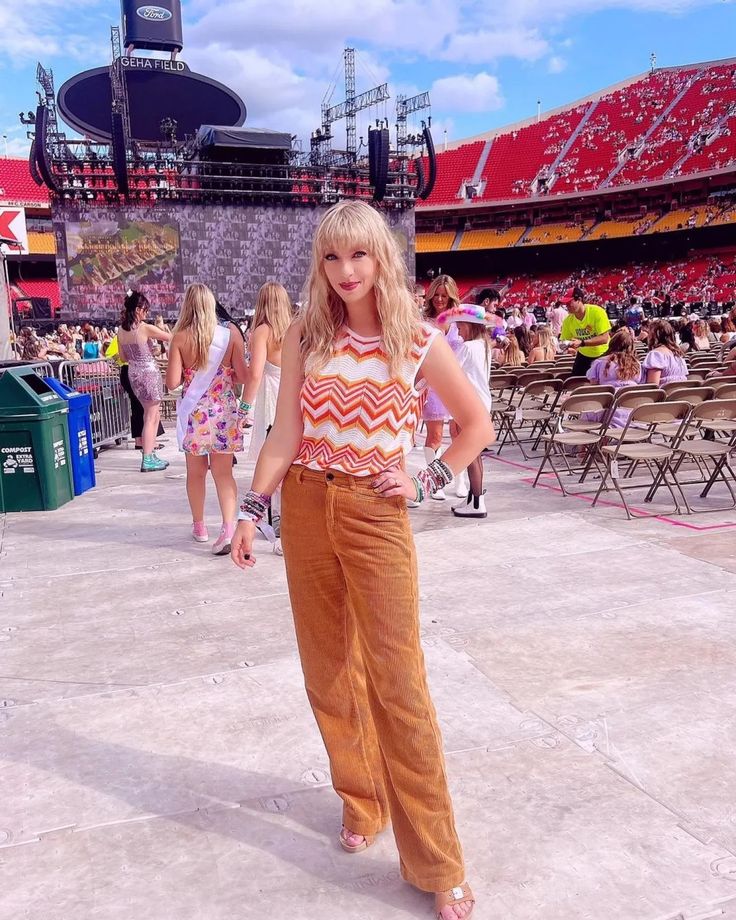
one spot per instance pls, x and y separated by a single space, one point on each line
210 359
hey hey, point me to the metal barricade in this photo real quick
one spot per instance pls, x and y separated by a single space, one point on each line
42 368
100 379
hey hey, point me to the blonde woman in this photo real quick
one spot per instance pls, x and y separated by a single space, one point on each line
513 356
442 295
353 371
273 315
544 347
209 359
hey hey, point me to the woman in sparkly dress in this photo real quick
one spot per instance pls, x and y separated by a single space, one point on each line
134 339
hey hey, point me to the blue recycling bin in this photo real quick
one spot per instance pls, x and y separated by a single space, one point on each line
80 435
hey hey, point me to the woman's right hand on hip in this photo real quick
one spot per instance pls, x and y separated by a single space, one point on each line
241 547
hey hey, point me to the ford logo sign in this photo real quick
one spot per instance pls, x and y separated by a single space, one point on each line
153 13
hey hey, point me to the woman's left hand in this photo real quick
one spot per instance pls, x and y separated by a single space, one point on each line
395 482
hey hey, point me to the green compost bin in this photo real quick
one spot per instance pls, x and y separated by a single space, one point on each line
35 462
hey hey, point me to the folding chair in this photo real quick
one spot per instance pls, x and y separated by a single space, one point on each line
655 456
536 406
630 398
724 389
713 415
679 384
503 387
565 436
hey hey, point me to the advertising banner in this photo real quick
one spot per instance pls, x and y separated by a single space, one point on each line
13 231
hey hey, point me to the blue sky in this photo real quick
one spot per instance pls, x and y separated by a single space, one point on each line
484 63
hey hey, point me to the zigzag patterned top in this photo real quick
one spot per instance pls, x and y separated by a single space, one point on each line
359 418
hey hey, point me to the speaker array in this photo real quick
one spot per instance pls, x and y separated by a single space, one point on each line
426 187
32 165
119 154
378 156
42 155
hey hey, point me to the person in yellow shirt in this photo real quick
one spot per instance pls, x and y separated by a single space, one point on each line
586 328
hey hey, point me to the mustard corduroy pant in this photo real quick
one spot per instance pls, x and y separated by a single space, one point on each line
352 574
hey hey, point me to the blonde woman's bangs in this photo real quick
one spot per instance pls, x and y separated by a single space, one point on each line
344 230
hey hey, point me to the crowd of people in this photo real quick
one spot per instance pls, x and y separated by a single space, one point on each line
668 286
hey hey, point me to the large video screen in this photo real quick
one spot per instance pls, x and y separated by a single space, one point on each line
107 255
104 249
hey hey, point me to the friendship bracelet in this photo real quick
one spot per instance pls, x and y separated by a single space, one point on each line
436 476
245 407
254 507
420 490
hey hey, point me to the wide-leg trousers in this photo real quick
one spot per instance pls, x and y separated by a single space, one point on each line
352 574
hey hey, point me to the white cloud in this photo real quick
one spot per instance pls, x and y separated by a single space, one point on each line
465 92
282 55
484 46
38 29
556 64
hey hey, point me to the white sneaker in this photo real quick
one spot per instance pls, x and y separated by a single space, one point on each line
462 484
474 507
439 495
411 504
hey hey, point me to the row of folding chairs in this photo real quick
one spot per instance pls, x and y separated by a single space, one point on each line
689 431
523 405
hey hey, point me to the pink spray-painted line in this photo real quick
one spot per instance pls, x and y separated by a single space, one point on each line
640 512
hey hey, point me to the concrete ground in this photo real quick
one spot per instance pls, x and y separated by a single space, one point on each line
159 760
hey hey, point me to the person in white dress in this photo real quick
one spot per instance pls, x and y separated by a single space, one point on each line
474 357
273 316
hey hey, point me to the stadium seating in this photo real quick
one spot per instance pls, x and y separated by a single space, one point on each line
699 278
17 186
454 168
620 121
683 219
726 215
434 242
39 287
608 229
670 122
491 239
516 159
41 243
556 233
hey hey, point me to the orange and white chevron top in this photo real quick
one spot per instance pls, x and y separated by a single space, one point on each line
359 417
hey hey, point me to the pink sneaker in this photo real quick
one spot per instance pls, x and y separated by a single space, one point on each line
221 545
199 532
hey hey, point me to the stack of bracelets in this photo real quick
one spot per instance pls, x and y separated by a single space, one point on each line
254 507
438 474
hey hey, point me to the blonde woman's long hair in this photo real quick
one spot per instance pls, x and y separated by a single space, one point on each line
513 355
546 342
199 320
273 309
356 225
453 295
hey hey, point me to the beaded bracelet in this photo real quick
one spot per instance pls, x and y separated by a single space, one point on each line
437 475
420 490
245 407
254 507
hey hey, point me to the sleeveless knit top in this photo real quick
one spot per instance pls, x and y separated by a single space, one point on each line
359 417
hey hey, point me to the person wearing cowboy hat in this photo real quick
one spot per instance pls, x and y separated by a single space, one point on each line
474 356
